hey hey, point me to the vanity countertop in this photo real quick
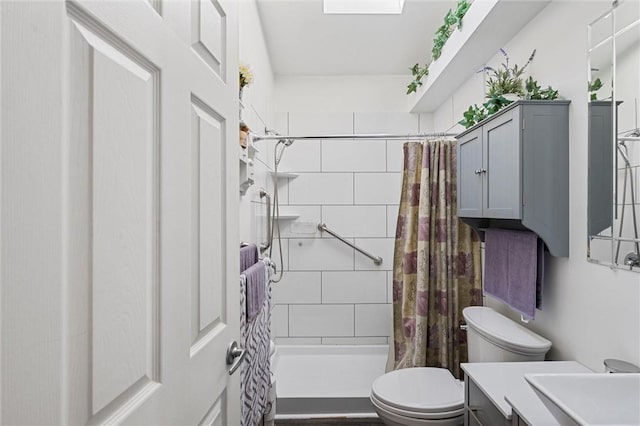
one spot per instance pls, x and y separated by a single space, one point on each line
504 384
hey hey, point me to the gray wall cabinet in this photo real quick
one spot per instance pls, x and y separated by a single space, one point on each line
513 172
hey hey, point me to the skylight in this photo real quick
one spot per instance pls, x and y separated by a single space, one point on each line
366 7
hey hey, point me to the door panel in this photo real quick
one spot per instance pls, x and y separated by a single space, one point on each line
119 227
208 29
208 306
502 163
469 181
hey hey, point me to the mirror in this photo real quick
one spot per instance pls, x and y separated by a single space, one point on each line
613 221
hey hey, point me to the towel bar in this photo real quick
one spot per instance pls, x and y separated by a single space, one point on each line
376 259
264 246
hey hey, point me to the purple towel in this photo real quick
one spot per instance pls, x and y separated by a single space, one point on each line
248 256
256 288
540 274
511 268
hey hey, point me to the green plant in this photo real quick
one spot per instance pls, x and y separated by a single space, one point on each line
506 79
476 114
452 20
495 104
418 73
441 37
593 87
461 10
535 92
473 115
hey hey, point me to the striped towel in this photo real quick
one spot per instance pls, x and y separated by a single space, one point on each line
255 332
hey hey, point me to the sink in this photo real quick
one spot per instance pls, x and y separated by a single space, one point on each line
590 398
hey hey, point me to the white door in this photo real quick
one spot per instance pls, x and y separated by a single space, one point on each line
118 212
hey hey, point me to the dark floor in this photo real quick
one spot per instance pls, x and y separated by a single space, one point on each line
331 422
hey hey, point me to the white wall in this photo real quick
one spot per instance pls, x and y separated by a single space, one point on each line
258 107
590 312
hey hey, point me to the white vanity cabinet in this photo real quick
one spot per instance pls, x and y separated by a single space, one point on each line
496 393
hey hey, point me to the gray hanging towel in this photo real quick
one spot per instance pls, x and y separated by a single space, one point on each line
511 268
256 288
248 256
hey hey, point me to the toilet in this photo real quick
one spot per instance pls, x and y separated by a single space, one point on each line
432 396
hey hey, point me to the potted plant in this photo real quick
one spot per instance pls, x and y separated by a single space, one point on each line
506 85
534 91
506 80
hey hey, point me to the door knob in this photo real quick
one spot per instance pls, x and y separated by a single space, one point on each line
235 356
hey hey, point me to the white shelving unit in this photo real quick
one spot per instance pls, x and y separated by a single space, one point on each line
487 26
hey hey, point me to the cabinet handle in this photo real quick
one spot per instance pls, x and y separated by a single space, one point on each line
483 170
476 171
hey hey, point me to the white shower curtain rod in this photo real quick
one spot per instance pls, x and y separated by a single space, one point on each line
356 136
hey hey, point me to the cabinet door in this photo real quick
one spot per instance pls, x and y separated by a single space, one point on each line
469 176
501 169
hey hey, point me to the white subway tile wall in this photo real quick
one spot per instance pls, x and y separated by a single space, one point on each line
298 287
354 287
359 155
321 320
377 188
392 220
395 155
356 221
373 320
385 122
301 156
331 294
321 188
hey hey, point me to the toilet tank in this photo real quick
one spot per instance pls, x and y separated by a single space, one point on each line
492 337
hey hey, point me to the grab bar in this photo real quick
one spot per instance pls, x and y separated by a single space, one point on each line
264 246
376 259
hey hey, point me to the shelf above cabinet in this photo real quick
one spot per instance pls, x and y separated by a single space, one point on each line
487 26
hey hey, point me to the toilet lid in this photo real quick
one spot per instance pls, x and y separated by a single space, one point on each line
420 390
504 332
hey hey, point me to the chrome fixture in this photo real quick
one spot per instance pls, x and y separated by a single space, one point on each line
235 356
288 140
264 246
618 366
376 259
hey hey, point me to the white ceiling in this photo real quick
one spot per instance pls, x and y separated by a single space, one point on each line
302 40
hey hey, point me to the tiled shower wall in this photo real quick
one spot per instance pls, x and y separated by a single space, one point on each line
331 294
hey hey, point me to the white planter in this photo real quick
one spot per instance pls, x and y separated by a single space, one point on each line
512 97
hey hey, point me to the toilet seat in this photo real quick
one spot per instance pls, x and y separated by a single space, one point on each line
420 393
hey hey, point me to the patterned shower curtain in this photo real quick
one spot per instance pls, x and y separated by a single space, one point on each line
436 268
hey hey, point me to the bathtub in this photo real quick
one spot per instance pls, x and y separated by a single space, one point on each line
326 380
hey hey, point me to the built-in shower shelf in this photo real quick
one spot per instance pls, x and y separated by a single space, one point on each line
285 175
288 216
487 26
